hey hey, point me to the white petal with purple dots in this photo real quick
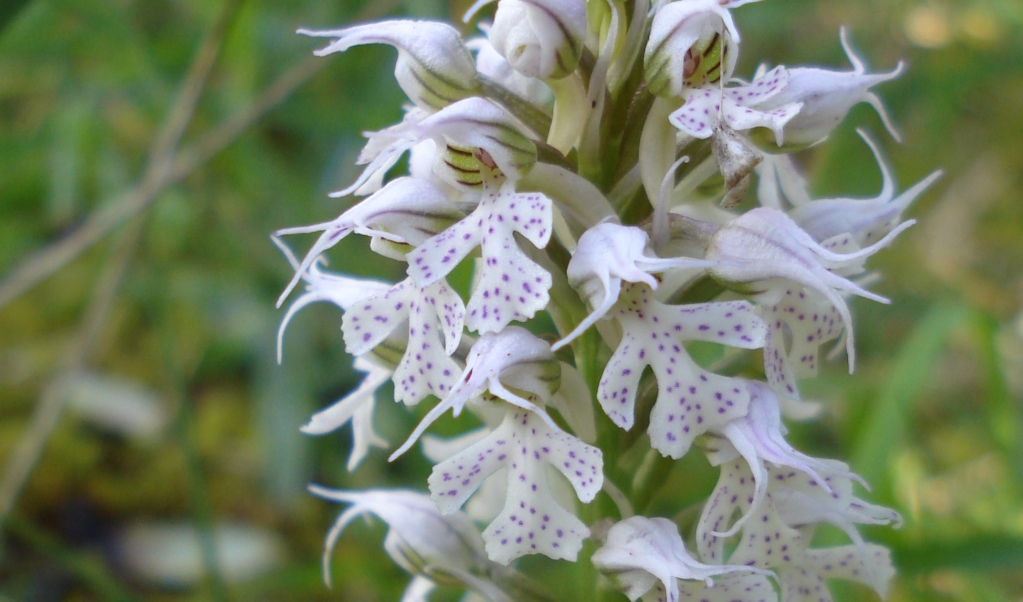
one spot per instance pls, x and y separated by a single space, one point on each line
532 522
690 400
511 286
737 107
434 315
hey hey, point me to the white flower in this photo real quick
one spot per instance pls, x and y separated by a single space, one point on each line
434 68
531 522
641 551
826 97
511 286
740 108
608 254
434 314
356 407
779 534
445 548
763 252
406 211
759 438
540 38
690 400
514 355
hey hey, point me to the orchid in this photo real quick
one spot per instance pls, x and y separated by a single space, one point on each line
641 551
585 211
780 535
766 253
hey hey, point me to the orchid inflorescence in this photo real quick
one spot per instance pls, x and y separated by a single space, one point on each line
571 160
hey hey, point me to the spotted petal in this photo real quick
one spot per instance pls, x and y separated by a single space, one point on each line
532 522
690 400
434 315
759 438
871 566
798 325
706 107
734 493
742 587
324 286
511 286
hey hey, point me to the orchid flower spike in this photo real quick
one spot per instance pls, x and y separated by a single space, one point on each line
323 286
759 437
641 551
434 67
406 211
514 355
446 548
763 250
865 220
826 97
540 38
473 137
691 43
607 254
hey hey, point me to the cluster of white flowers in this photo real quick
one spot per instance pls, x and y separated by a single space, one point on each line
552 160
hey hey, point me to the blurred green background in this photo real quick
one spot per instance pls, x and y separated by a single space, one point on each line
147 150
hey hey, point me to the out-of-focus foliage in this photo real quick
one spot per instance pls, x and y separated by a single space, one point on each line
932 416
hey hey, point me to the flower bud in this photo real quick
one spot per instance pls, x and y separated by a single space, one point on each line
540 38
691 43
434 67
827 97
